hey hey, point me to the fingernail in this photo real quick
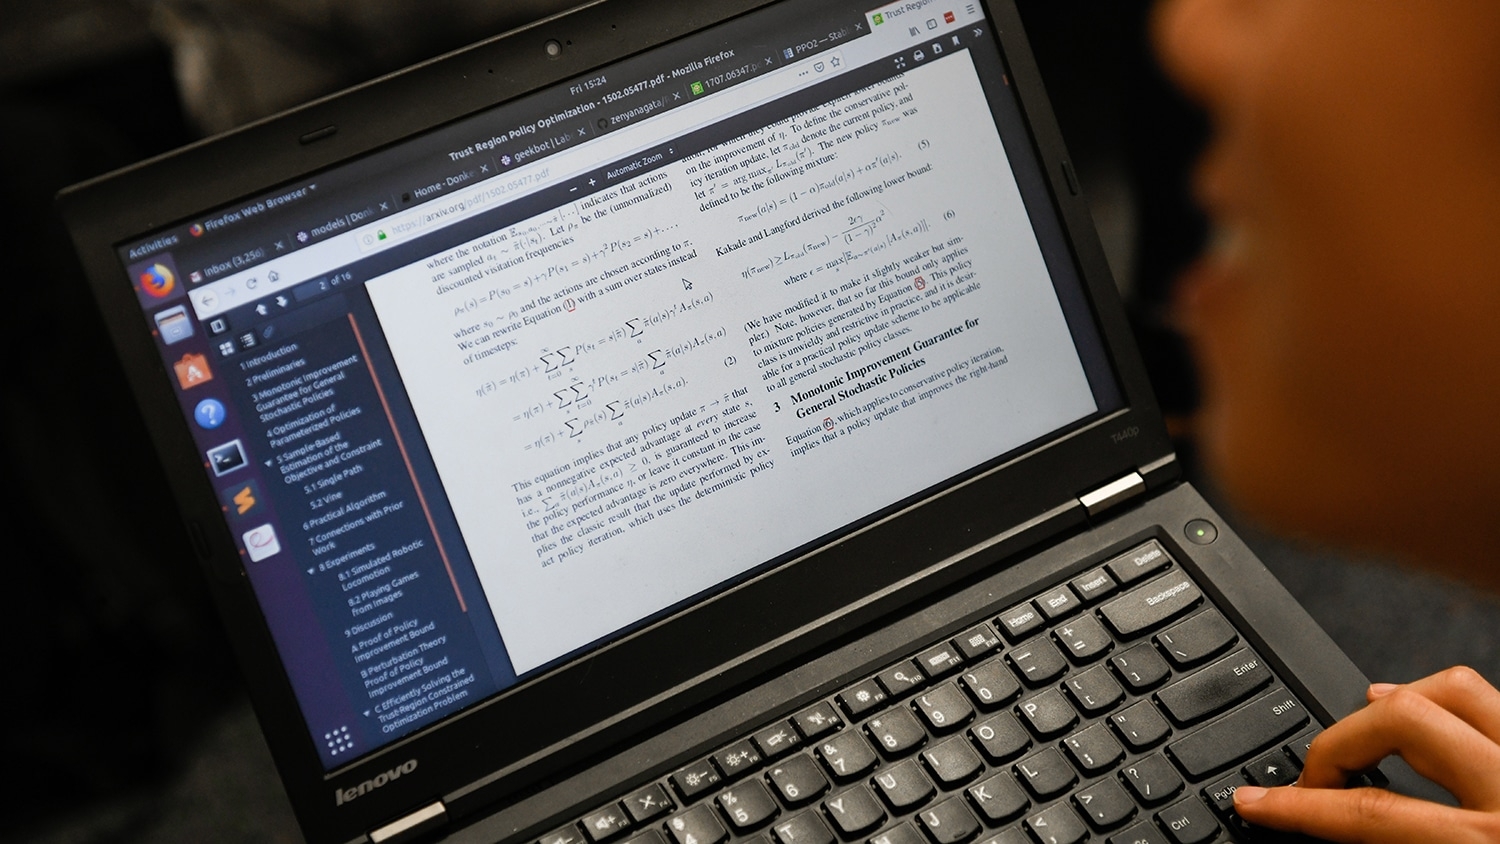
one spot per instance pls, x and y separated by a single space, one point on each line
1382 689
1247 794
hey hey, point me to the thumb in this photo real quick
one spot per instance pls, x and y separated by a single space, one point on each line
1361 815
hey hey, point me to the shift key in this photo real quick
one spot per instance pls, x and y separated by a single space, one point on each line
1240 734
1147 606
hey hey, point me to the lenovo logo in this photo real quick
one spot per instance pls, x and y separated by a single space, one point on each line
344 795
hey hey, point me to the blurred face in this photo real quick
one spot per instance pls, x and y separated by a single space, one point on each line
1347 318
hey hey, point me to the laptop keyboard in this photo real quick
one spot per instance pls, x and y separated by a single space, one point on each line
1119 706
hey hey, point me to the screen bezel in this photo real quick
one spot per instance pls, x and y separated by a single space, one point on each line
730 637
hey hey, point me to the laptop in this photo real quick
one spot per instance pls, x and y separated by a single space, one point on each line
674 423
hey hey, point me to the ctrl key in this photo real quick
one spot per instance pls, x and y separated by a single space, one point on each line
1188 822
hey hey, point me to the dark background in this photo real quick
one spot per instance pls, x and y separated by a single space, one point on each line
123 718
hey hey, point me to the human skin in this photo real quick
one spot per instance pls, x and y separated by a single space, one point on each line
1345 320
1344 325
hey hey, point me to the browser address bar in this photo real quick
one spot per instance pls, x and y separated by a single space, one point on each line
587 157
276 276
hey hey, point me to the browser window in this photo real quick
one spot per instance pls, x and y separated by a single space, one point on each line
497 395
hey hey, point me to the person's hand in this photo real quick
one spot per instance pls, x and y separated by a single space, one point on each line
1447 727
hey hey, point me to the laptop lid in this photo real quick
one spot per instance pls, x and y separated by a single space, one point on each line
539 394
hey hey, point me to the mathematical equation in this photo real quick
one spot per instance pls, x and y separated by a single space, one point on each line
577 424
864 230
536 277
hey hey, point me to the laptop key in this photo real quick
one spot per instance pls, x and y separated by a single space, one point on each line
1000 737
1220 795
952 762
1273 769
1220 798
1046 773
1196 639
1047 714
696 826
847 755
949 822
861 698
737 759
896 732
1019 621
695 779
1214 687
816 720
805 828
990 685
1141 833
901 833
1134 565
1057 825
567 835
939 660
1140 725
1094 690
1141 667
944 708
1152 779
1105 804
798 780
650 836
777 739
998 798
1093 749
1145 607
1083 639
901 678
1094 585
1239 734
904 786
1188 822
977 641
747 806
854 811
1058 603
648 803
1014 835
1297 748
1037 661
605 823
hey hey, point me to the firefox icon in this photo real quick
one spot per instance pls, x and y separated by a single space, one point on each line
157 281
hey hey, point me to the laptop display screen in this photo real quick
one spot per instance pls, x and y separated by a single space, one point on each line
485 400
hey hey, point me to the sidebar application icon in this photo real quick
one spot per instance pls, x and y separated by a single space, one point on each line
261 543
192 370
174 324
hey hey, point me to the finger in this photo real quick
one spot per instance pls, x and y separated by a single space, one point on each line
1363 816
1436 743
1460 690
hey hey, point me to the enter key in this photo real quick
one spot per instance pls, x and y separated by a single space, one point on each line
1214 687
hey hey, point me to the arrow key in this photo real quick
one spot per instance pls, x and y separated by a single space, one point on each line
1273 769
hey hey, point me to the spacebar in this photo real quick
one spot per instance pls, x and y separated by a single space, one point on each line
1239 734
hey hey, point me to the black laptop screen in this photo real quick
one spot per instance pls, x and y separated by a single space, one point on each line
488 399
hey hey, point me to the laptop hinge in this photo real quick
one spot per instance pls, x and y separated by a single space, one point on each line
1113 493
422 820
